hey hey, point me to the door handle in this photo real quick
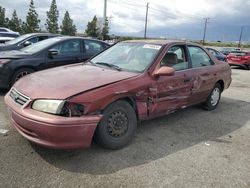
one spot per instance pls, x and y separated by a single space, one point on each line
187 80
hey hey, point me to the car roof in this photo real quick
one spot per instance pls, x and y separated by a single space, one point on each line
161 41
65 37
38 34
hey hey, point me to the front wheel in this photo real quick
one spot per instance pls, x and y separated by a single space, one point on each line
214 98
117 127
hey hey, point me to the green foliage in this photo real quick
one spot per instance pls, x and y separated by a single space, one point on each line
15 23
92 29
67 27
105 30
52 18
2 16
32 21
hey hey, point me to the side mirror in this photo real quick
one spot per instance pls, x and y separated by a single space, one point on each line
164 71
26 43
53 52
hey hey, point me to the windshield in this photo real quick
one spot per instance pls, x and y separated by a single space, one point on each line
130 56
18 39
40 45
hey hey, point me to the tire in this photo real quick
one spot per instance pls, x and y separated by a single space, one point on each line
20 73
117 127
214 98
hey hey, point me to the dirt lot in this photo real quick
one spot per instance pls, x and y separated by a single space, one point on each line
190 148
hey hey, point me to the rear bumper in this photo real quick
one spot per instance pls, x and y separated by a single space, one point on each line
57 132
240 63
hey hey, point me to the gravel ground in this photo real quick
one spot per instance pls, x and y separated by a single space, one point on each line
189 148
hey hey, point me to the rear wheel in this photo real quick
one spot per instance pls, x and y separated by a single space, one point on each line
20 73
117 127
214 98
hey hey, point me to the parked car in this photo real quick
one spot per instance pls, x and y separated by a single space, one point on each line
105 97
48 53
5 32
25 40
5 39
226 51
220 56
239 58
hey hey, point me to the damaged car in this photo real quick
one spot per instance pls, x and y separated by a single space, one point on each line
104 98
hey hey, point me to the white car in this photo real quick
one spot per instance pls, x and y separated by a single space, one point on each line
7 34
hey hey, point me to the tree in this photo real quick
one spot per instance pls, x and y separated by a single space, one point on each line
67 27
52 18
15 23
32 21
105 30
92 29
2 16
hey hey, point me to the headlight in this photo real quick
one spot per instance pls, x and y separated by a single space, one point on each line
59 107
49 106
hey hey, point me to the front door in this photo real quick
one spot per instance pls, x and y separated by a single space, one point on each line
168 93
69 52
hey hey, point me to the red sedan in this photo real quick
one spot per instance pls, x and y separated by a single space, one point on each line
239 58
104 98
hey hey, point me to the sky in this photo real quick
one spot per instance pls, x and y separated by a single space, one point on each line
166 18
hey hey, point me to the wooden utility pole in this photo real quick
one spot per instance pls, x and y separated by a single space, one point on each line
146 22
205 30
241 31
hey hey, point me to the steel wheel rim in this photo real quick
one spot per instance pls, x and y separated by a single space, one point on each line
117 124
21 74
215 96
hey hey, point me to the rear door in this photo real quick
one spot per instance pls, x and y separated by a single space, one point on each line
168 93
69 52
203 74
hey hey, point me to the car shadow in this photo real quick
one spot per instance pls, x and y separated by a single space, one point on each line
155 139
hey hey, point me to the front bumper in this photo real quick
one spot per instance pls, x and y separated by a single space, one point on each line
5 76
51 130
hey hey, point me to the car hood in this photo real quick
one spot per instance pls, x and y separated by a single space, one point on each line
66 81
13 54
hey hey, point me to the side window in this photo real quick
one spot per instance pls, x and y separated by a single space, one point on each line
33 40
69 47
92 47
212 51
40 38
176 58
199 57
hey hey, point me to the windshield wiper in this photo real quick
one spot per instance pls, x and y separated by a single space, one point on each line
109 65
91 62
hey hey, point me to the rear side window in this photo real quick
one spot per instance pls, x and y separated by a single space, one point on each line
199 57
92 47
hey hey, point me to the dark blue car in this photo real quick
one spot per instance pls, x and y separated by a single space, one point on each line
217 54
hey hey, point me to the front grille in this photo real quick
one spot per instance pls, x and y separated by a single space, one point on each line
18 97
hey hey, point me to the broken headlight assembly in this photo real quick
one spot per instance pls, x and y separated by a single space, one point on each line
58 107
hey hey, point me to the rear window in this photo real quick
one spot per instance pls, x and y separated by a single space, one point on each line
238 53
